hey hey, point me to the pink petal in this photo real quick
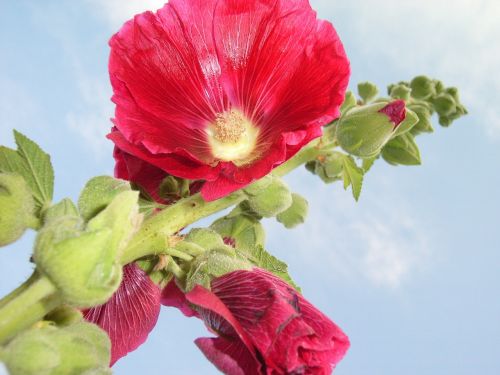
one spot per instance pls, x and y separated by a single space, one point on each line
130 314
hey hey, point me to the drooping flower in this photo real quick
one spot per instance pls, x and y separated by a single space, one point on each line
224 90
264 326
130 314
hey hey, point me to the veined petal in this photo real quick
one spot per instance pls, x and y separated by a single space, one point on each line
130 314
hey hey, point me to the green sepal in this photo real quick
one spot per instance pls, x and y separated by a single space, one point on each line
367 91
65 315
402 151
98 193
424 114
407 124
32 163
296 214
328 167
17 207
48 350
65 207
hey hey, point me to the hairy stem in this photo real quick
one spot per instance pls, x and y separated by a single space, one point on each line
30 304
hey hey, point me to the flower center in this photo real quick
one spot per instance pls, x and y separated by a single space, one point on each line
232 137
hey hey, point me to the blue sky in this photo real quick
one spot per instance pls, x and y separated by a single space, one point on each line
410 272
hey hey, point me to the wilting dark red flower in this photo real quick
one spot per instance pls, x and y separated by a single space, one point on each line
130 314
264 326
224 90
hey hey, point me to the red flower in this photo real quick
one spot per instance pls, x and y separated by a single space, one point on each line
224 90
264 326
130 314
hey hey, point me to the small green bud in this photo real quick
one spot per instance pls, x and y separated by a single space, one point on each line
65 315
241 231
271 200
296 213
422 87
49 350
328 167
363 131
349 102
17 207
402 150
64 208
400 91
83 263
367 91
98 193
173 188
444 104
424 124
206 238
438 86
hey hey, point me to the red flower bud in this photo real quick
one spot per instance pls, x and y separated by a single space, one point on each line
396 111
264 326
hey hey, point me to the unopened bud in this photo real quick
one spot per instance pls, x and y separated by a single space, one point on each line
271 200
367 91
83 261
444 104
75 349
296 213
240 231
365 130
17 207
400 91
422 87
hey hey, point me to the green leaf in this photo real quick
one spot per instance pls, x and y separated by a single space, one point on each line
353 176
262 259
31 162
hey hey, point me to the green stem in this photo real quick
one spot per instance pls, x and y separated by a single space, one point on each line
176 253
153 236
30 304
174 268
12 295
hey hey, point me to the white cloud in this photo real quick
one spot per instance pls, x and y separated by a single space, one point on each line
377 240
116 12
456 41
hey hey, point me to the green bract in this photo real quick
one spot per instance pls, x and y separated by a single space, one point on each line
367 91
83 260
296 213
17 207
72 350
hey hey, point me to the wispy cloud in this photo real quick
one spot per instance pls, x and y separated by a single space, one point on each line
116 12
377 240
457 42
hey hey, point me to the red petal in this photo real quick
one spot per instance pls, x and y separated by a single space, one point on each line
174 297
231 357
130 314
396 111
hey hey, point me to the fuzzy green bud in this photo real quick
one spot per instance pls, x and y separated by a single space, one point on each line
17 207
241 231
400 91
363 131
82 261
98 193
217 259
328 167
444 104
422 87
72 350
273 198
367 91
424 114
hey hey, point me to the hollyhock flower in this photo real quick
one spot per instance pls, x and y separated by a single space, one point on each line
264 326
130 314
224 90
